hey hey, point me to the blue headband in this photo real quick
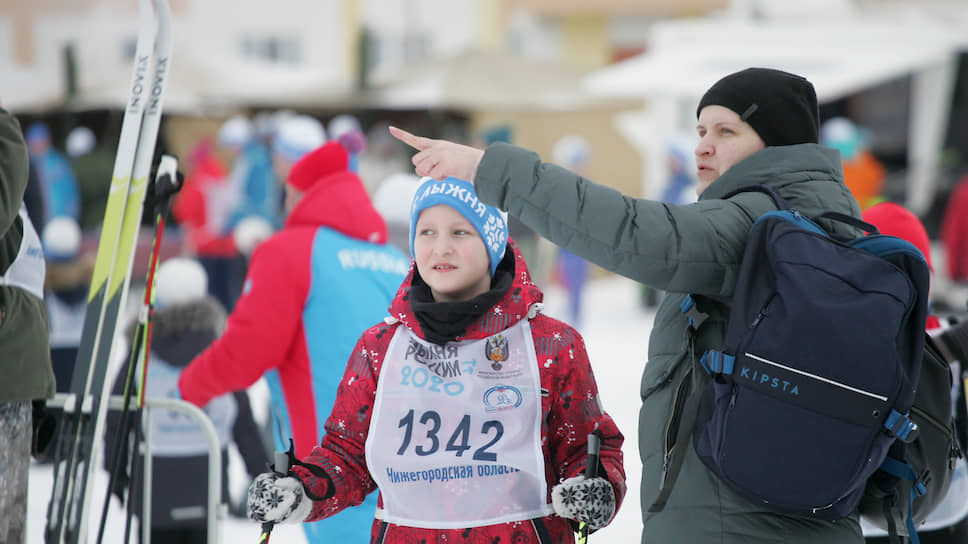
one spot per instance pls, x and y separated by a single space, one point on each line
489 221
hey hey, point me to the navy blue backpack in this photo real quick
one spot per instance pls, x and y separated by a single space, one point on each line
819 369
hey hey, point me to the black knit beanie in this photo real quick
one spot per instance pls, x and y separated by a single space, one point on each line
780 106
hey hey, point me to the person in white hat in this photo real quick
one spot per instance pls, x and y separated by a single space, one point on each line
80 141
392 199
67 283
185 320
295 136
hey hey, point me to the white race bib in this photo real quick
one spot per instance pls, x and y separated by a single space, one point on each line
28 269
455 437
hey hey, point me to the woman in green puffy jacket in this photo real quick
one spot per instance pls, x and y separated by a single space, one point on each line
24 352
756 127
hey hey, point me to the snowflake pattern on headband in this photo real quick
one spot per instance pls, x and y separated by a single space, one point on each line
494 234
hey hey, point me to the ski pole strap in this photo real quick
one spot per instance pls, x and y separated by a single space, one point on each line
320 473
900 426
692 313
282 460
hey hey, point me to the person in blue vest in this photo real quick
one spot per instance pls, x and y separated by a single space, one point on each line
255 187
572 152
58 183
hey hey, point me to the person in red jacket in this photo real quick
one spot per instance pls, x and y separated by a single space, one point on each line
467 407
202 208
954 232
311 290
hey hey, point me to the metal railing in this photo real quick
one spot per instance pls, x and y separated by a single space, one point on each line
216 510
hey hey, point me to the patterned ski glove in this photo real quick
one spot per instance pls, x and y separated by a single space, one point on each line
277 498
590 500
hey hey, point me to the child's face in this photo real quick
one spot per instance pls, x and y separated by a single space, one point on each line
450 255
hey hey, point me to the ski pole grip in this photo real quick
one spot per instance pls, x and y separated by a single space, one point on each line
281 462
591 471
594 446
167 180
168 166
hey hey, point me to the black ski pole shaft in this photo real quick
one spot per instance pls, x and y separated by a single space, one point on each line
133 481
165 185
281 466
591 471
160 190
117 453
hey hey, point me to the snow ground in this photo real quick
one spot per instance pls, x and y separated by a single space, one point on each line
616 330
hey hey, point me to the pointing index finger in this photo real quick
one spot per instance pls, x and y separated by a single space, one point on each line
417 142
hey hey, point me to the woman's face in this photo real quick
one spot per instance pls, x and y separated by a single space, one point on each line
724 140
450 255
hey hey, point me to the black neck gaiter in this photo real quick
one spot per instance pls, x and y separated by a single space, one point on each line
441 322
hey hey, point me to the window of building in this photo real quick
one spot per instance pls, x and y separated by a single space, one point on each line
283 50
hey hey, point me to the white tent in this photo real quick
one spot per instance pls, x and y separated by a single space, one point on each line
23 89
842 51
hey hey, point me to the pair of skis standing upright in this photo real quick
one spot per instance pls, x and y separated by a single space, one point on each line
78 442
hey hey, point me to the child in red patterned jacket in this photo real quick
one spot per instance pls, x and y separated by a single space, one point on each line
467 408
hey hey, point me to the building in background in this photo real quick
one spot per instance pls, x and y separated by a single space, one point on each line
540 65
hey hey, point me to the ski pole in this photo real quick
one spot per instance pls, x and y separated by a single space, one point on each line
161 190
591 471
282 460
167 183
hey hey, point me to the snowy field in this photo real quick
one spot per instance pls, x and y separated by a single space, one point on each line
616 331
